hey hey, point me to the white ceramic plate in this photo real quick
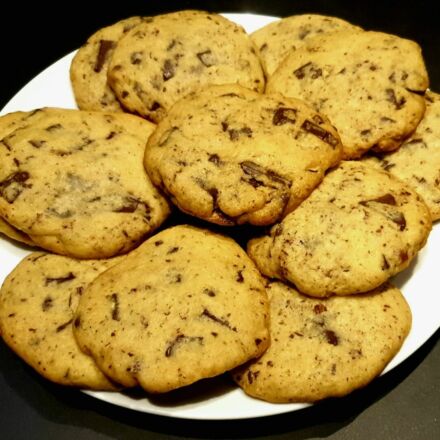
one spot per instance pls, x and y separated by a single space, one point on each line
218 398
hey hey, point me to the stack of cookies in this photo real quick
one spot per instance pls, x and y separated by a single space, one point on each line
312 130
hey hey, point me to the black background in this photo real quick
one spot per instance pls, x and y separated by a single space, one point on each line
404 404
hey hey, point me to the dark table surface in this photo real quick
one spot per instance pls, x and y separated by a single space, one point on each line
403 404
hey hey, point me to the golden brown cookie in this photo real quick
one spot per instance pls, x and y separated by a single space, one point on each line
75 183
357 229
367 83
37 303
187 304
229 155
325 347
191 49
417 161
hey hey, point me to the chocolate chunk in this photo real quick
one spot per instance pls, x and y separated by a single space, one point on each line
179 340
130 204
254 170
209 292
47 304
158 243
319 308
155 106
252 375
104 47
136 57
284 115
398 218
403 256
230 95
63 326
308 69
215 159
168 70
206 313
36 143
319 132
239 278
60 280
391 97
53 127
385 264
114 298
387 199
331 337
206 58
14 185
5 144
234 134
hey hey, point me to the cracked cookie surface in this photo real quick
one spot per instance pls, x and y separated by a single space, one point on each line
191 49
357 229
75 183
324 348
229 155
37 304
161 320
367 83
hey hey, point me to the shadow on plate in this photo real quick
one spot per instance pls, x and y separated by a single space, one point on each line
201 391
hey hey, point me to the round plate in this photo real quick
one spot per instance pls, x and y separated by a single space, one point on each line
220 399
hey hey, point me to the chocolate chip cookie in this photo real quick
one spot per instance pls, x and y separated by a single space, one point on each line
325 347
369 84
37 304
164 59
357 229
161 320
229 155
75 183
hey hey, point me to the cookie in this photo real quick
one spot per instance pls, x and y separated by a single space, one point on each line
229 155
357 229
325 347
417 161
88 71
37 303
275 40
75 183
9 123
367 83
161 320
191 49
14 233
